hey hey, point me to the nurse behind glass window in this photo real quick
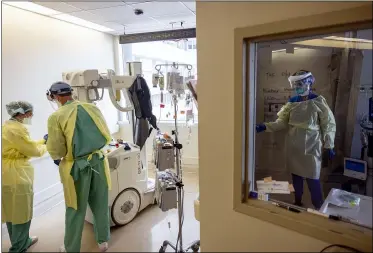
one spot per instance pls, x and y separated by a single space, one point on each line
311 127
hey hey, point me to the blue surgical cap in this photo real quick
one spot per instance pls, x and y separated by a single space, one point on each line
60 88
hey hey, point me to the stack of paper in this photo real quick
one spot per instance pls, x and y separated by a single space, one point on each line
272 186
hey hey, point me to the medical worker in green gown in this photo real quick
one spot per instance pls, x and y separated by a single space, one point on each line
77 132
18 174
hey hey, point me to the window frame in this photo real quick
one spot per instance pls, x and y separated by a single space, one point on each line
245 39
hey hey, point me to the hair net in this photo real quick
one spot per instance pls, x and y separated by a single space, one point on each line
60 88
21 107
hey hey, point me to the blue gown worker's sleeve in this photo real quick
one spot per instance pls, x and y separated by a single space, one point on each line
327 124
282 121
56 144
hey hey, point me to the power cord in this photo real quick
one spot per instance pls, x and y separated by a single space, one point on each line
340 246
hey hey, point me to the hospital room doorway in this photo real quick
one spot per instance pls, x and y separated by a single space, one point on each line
169 69
162 63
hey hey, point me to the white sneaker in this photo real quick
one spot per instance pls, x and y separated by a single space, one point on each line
62 248
103 246
34 239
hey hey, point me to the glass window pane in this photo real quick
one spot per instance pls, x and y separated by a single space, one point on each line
313 116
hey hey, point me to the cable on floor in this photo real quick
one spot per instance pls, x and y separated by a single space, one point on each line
340 246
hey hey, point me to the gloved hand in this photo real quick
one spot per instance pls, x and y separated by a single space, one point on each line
45 138
57 162
331 153
260 128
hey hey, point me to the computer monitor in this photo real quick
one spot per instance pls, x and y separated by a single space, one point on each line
355 168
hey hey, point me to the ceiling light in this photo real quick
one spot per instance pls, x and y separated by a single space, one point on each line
331 43
29 6
347 39
283 50
82 22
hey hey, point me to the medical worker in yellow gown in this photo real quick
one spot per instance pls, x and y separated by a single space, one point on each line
77 132
18 175
310 127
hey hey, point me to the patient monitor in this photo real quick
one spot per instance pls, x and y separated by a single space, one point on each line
355 168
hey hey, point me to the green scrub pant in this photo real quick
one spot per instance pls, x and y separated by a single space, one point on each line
91 188
19 236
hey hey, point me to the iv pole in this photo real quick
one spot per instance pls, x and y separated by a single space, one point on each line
194 246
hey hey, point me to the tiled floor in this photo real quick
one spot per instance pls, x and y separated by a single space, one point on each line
145 233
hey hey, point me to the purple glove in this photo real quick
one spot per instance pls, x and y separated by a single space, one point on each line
331 153
260 128
45 138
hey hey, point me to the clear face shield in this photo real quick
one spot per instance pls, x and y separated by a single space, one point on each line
301 88
301 83
52 98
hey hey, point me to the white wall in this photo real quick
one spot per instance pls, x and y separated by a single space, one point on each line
35 51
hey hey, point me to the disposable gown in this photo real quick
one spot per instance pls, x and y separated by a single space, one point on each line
17 172
64 142
311 126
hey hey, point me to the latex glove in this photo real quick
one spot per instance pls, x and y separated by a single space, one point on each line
57 162
331 153
260 128
45 138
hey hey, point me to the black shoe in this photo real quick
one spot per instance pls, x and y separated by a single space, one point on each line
298 204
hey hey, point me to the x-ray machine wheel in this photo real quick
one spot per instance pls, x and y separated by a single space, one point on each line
125 207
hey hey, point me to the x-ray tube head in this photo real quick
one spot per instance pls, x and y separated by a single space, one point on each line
87 83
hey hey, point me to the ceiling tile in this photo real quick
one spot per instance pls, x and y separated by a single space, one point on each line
114 26
59 6
189 25
149 25
116 33
162 8
116 13
95 5
86 15
140 1
146 29
190 18
135 20
190 5
123 15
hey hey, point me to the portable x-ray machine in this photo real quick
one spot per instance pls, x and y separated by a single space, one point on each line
132 190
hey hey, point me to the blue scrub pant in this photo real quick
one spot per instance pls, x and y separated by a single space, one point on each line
314 187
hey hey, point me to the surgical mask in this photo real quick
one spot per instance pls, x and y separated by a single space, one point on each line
27 121
302 91
299 90
58 103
